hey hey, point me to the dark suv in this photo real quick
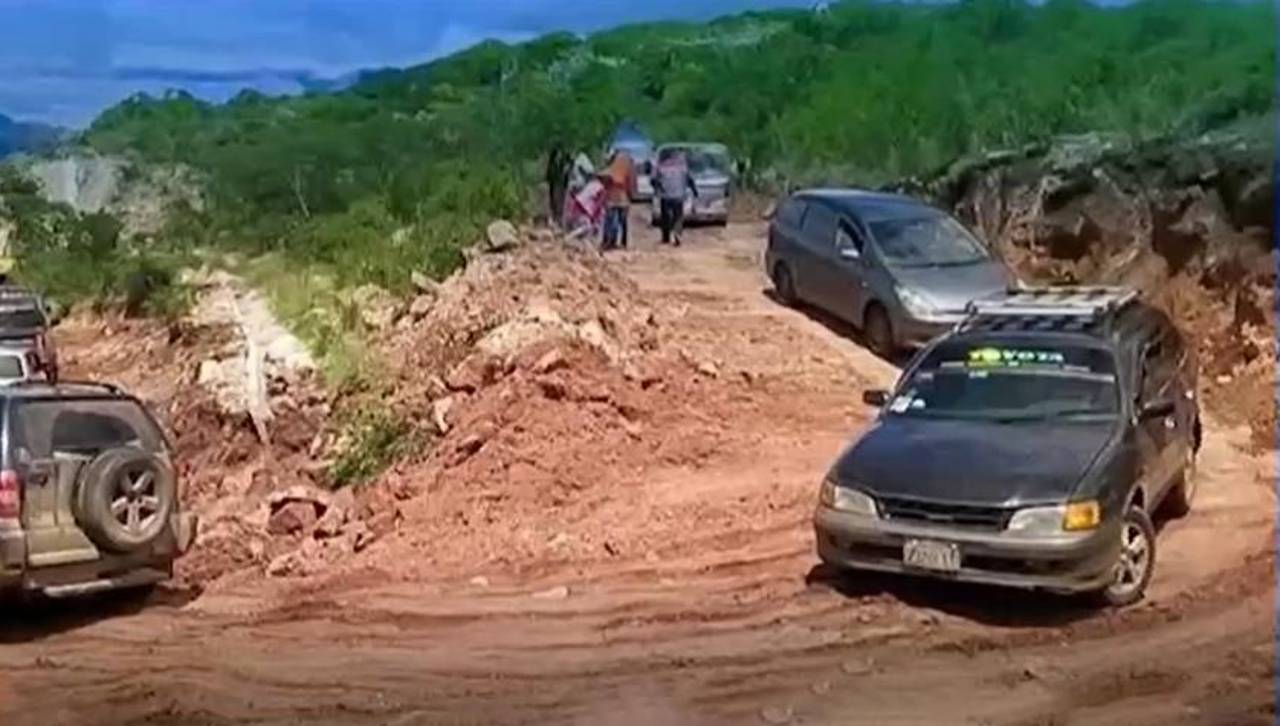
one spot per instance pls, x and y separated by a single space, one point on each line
88 493
1028 447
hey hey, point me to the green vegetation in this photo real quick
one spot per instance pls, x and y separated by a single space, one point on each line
398 172
373 439
77 258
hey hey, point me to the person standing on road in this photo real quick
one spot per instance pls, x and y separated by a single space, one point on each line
558 163
674 185
620 177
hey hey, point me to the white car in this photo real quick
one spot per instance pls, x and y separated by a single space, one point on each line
19 364
712 171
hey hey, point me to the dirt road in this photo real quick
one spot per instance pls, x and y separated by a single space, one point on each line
728 621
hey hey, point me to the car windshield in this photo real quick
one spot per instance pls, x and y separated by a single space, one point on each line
1010 382
932 241
702 161
21 319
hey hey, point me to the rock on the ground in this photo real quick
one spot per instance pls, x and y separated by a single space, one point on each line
421 307
377 308
559 592
337 515
424 285
502 235
294 517
440 414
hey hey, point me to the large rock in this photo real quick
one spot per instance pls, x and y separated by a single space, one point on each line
377 308
294 517
502 235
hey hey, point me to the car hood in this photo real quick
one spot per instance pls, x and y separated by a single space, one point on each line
951 288
973 462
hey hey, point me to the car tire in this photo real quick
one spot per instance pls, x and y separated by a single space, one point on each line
1182 496
125 499
878 331
784 284
1136 562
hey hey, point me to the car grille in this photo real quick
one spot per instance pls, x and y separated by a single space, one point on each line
993 518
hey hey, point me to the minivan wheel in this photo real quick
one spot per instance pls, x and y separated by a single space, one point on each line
878 331
1180 499
784 284
1135 563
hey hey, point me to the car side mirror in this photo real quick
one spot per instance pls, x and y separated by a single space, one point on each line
877 398
1158 408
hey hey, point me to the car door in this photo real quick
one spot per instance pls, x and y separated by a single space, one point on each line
850 268
818 274
784 236
1159 435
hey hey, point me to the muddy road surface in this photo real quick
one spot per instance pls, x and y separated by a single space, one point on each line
726 618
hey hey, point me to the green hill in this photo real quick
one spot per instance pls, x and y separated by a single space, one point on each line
865 92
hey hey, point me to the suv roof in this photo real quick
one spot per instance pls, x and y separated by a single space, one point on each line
1097 312
63 389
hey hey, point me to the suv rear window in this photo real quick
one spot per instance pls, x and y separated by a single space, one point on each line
10 366
21 319
81 426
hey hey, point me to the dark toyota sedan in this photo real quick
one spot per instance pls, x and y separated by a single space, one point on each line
1028 448
900 270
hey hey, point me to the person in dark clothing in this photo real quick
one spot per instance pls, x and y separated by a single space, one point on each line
674 185
558 163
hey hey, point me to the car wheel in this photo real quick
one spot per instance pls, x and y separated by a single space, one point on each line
125 499
878 331
1135 563
1183 494
784 284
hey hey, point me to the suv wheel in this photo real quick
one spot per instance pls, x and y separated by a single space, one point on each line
1136 562
125 500
878 331
784 284
1180 498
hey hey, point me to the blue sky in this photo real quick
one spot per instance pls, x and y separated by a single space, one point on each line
63 61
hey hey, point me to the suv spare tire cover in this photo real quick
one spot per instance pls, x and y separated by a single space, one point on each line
125 498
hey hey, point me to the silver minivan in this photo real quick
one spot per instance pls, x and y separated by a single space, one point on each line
900 270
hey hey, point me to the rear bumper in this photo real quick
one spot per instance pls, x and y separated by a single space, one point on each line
1065 564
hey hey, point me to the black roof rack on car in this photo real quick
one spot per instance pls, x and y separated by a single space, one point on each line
108 387
1074 307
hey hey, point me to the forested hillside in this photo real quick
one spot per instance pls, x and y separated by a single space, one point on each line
864 92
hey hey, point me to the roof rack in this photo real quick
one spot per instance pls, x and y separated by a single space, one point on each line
109 387
1061 301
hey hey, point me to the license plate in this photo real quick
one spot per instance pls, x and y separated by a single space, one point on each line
927 555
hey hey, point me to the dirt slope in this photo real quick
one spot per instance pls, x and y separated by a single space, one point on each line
619 553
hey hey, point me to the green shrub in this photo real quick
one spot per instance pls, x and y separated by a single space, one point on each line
374 439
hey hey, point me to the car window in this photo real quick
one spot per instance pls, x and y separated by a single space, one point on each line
10 366
45 426
848 238
934 240
820 226
792 213
21 318
1160 364
986 380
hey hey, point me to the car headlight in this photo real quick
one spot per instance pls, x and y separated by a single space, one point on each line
1073 517
844 499
915 303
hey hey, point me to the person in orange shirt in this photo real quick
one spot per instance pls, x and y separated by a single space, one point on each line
620 179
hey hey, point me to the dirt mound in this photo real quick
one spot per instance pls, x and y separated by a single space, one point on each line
1188 221
227 472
